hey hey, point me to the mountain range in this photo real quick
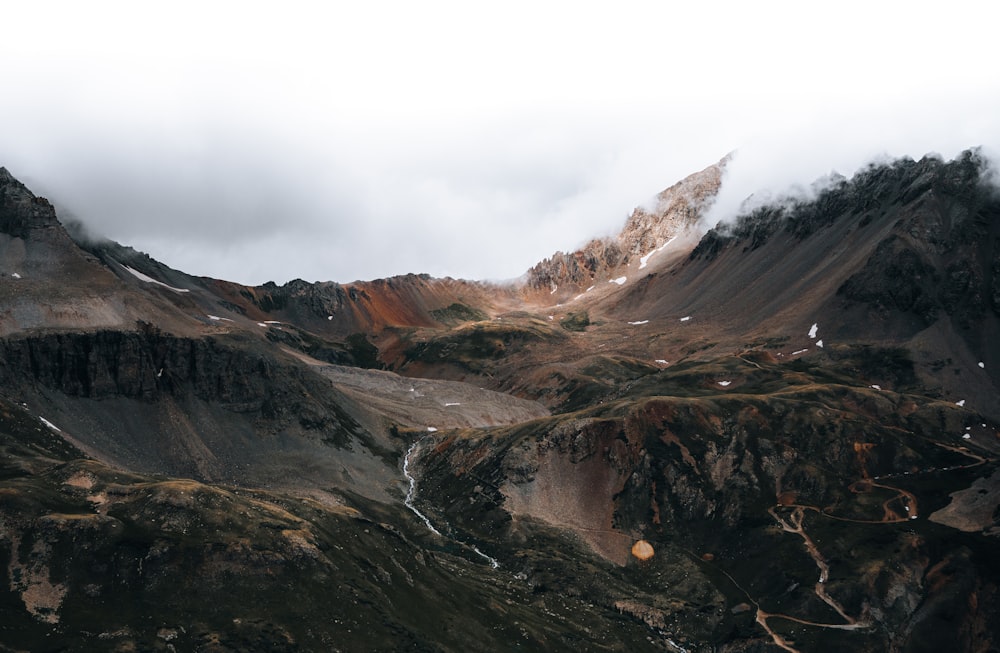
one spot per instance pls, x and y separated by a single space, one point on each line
778 433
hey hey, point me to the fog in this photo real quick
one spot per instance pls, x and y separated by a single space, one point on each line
250 142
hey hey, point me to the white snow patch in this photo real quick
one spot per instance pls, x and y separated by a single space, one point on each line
801 351
982 365
271 322
431 429
685 318
329 317
639 322
453 403
661 361
554 289
142 277
875 386
216 318
645 259
966 436
819 343
50 424
18 276
960 403
724 383
551 318
261 324
160 373
620 281
813 330
589 289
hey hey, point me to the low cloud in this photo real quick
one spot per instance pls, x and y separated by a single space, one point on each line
437 139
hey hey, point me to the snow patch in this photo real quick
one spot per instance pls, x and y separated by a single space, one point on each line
589 289
813 330
645 259
982 365
620 281
261 324
966 436
18 276
431 429
685 318
875 386
725 383
329 317
801 351
661 361
50 424
142 277
453 403
639 322
216 318
960 403
819 343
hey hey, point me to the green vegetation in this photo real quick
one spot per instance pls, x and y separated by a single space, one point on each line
575 321
458 313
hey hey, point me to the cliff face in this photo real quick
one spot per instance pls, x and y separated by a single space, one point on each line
676 209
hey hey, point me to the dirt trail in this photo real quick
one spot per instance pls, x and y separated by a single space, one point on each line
793 523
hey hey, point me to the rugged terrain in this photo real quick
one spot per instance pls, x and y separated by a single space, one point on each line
776 434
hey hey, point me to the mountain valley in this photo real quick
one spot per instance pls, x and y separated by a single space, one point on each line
775 434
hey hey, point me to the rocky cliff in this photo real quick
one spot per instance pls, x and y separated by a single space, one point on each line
676 209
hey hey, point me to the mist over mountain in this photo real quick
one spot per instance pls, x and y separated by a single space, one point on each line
772 427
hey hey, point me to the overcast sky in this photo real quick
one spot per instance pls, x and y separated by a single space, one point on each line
355 140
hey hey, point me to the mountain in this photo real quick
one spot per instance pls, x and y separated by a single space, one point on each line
775 434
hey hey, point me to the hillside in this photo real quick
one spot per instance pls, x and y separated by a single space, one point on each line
775 434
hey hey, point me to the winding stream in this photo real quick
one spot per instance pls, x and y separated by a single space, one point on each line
411 495
412 492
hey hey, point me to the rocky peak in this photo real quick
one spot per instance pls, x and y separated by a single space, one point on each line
20 209
676 209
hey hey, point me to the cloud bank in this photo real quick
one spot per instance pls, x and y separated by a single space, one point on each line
245 142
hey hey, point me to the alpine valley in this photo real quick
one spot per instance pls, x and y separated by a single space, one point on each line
779 434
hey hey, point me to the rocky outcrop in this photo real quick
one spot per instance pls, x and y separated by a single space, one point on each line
20 210
676 209
150 366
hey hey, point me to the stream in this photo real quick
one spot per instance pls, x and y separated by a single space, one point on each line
411 495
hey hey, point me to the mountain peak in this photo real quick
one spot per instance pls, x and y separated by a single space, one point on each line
676 209
20 209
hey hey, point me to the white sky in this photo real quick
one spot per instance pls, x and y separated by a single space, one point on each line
341 141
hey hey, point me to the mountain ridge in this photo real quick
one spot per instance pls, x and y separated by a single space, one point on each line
810 391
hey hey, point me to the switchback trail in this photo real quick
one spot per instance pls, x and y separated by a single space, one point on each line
791 521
